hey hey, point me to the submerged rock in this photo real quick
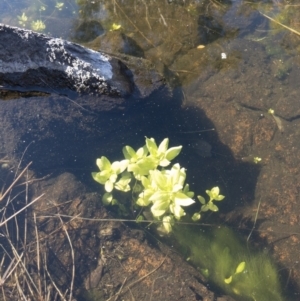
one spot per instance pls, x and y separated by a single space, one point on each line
81 103
30 61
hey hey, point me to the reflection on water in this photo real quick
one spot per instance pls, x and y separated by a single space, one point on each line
234 60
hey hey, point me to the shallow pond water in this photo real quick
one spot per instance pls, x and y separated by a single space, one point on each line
233 61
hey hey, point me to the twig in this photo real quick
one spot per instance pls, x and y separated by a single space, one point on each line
256 215
118 293
134 25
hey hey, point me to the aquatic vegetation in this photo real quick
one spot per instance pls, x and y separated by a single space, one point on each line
224 259
59 5
153 186
115 27
256 160
38 25
22 19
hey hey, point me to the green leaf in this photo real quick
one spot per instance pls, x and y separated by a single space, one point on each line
177 211
107 198
160 196
182 200
167 223
201 199
163 146
119 166
98 178
142 152
147 163
109 186
144 197
103 163
139 218
186 190
212 206
213 193
143 201
204 208
128 152
173 152
196 217
151 146
159 208
123 183
219 198
241 267
228 280
164 163
145 182
159 179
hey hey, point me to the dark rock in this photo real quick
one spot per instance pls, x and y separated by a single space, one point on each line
116 42
88 31
126 99
31 61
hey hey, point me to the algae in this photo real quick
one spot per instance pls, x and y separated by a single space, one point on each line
226 261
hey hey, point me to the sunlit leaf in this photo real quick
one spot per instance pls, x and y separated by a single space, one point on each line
241 267
164 163
196 217
123 183
159 179
142 152
167 223
128 152
228 280
143 201
115 26
219 198
119 166
103 163
109 186
160 196
176 188
204 208
151 145
98 178
212 206
173 152
107 198
177 211
163 146
182 200
214 192
201 199
159 208
187 191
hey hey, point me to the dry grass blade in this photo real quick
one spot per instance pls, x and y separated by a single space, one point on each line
18 212
286 27
130 285
73 258
14 182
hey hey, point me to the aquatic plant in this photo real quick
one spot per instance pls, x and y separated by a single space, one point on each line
153 186
38 25
225 260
